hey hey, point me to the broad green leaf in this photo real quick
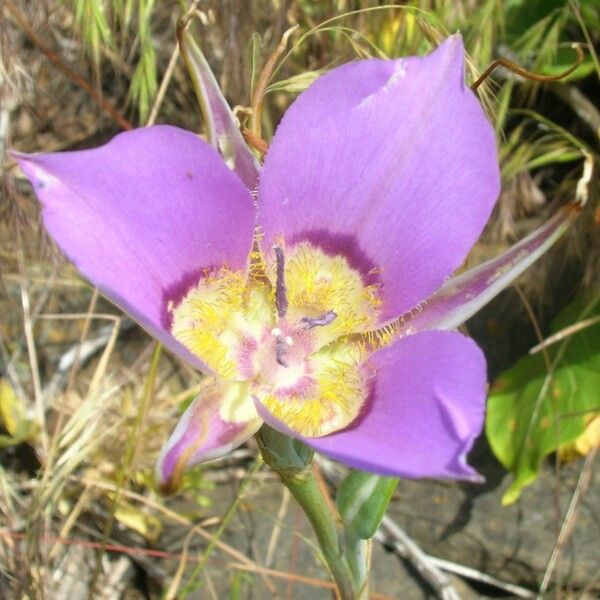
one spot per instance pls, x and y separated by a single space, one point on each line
362 500
533 412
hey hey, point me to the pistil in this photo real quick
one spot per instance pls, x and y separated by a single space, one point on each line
281 350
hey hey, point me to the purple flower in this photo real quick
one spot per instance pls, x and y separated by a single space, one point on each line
315 307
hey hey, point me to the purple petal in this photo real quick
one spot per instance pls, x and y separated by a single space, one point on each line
426 410
392 163
462 296
142 216
219 420
223 130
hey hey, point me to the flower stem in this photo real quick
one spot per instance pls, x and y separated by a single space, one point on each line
291 461
307 494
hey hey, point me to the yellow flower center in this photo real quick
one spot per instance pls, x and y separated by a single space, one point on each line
288 330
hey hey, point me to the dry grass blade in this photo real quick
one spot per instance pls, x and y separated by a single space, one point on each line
274 538
263 81
569 520
67 69
164 84
130 453
171 593
33 361
564 333
189 586
57 62
301 579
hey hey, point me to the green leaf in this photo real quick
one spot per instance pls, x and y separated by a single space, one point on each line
533 412
362 500
296 83
524 14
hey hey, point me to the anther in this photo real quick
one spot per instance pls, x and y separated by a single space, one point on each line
324 319
281 301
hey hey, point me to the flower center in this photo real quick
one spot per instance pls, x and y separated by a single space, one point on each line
286 330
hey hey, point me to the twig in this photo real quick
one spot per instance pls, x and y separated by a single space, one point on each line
511 66
475 575
569 519
59 64
283 507
452 567
421 561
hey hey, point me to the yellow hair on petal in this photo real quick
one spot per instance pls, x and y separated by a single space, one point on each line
318 283
337 392
203 320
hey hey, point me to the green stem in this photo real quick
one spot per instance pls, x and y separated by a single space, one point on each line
308 495
291 461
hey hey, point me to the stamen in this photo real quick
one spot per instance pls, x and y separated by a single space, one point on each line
324 319
281 301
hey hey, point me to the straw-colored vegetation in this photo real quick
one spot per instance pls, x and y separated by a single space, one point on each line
87 399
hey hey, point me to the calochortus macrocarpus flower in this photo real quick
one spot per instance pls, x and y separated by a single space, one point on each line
306 304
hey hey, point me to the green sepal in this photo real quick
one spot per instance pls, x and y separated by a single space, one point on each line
362 499
285 455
